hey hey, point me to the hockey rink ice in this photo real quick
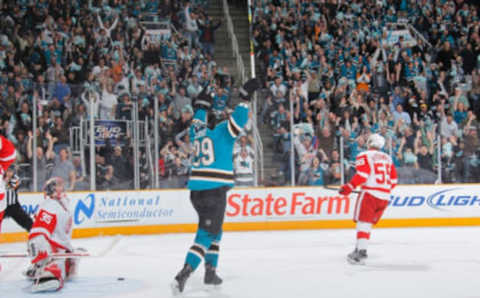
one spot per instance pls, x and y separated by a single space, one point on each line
413 262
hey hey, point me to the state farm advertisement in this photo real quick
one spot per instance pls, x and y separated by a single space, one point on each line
315 203
287 204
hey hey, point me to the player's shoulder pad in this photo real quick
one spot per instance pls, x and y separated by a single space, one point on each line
51 205
243 105
361 159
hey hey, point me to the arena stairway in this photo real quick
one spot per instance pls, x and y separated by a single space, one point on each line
224 57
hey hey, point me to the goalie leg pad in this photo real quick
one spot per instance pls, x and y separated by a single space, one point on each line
31 272
50 279
71 267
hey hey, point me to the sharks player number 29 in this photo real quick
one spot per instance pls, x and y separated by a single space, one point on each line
210 179
204 152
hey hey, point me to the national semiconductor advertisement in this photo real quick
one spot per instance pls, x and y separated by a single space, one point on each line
257 205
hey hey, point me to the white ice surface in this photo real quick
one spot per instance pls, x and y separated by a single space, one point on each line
434 262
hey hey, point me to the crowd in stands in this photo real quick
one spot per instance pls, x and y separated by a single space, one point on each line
68 55
347 73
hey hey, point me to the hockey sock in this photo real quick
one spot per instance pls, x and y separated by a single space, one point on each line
1 218
197 251
363 234
211 257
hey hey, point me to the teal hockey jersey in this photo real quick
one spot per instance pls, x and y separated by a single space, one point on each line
212 165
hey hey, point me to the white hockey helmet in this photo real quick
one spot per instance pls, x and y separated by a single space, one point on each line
376 141
54 188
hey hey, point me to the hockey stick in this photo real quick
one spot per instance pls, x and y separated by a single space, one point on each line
65 255
337 188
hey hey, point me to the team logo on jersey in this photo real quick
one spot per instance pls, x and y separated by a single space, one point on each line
84 211
46 218
360 162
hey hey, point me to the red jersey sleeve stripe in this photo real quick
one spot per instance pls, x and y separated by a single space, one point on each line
364 175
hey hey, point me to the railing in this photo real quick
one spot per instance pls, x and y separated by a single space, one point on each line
259 161
418 35
439 163
233 38
148 152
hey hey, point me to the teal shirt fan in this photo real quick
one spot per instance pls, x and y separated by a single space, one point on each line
212 165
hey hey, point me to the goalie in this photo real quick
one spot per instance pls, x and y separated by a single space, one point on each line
51 233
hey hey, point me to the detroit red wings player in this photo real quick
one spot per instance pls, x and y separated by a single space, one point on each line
7 157
7 153
51 233
376 176
3 199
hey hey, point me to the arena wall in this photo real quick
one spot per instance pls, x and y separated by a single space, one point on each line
248 209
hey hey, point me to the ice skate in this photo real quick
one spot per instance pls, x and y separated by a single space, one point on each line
211 278
357 257
180 280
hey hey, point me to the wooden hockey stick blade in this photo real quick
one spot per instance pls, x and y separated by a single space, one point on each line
65 255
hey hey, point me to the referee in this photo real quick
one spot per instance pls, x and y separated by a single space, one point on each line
14 209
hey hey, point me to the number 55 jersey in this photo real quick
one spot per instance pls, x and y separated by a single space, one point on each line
375 174
212 165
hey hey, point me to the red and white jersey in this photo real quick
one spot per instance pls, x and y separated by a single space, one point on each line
54 222
7 150
375 173
3 189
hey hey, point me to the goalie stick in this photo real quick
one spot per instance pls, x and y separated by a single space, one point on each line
65 255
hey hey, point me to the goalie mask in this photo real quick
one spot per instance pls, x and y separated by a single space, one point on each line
54 188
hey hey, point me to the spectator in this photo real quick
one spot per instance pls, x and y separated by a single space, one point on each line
109 181
220 102
448 127
62 90
316 173
400 114
470 159
108 102
183 123
181 100
424 154
124 108
243 168
60 134
191 26
207 37
81 182
363 80
43 160
63 168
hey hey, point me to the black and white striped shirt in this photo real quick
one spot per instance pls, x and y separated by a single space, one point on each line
11 191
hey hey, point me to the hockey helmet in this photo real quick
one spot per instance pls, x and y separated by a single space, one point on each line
54 187
376 141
